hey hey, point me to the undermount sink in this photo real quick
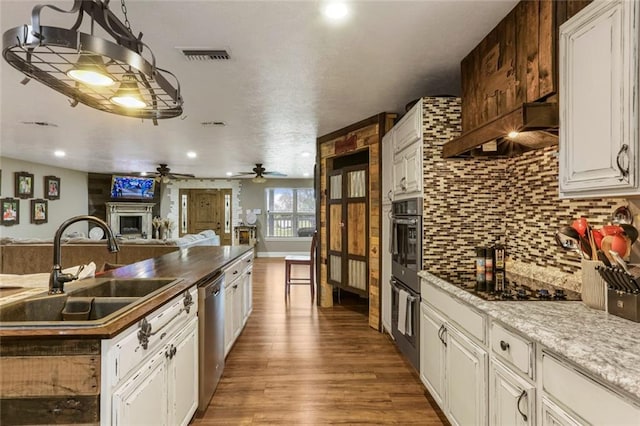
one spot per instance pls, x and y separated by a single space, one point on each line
89 303
123 287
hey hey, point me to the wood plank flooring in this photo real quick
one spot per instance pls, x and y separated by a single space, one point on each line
297 364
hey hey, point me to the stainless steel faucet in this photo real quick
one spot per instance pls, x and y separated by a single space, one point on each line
57 278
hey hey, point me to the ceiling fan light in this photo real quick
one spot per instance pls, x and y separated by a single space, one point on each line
90 70
259 179
128 94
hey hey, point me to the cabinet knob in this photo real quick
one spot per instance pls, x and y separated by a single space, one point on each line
504 345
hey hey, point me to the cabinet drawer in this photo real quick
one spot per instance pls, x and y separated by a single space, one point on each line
584 396
246 261
409 128
469 320
129 351
234 271
514 349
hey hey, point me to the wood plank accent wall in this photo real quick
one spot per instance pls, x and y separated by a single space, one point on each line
49 381
516 62
366 134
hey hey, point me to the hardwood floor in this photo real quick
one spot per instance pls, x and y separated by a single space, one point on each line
299 364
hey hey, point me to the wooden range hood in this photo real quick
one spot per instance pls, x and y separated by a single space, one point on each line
509 83
535 122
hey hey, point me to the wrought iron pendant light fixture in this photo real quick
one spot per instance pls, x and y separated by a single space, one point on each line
109 75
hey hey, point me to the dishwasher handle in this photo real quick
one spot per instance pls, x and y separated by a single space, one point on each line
212 287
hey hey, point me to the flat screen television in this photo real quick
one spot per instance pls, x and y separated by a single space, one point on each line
132 187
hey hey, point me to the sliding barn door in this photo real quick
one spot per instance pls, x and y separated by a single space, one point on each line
348 220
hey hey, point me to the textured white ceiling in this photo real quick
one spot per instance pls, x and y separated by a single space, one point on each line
292 77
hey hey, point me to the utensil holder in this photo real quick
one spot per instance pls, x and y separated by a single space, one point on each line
594 289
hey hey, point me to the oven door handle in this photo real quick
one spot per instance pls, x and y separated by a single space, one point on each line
402 221
397 290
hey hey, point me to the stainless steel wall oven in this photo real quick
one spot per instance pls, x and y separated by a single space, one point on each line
406 261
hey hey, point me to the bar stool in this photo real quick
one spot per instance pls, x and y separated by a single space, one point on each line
289 261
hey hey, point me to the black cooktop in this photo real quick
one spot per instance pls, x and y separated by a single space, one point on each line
513 292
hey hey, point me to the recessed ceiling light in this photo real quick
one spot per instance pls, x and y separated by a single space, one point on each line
305 174
229 173
191 154
336 11
59 153
143 173
305 154
513 134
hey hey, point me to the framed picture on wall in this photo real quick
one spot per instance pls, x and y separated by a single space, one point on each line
10 211
51 188
24 185
39 211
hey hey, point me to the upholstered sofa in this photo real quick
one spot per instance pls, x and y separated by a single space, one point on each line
30 256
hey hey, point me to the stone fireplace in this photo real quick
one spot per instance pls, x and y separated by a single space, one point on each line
130 220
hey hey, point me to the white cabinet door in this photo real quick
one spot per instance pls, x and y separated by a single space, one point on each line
387 168
399 176
228 319
413 168
552 415
409 128
599 100
466 387
247 290
511 399
432 353
142 400
386 267
238 301
183 373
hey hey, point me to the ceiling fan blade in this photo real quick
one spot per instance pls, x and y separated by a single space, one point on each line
274 174
181 175
243 174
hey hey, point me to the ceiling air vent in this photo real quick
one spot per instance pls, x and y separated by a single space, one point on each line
205 54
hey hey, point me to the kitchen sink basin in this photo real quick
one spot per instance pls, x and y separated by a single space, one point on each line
63 308
123 287
88 302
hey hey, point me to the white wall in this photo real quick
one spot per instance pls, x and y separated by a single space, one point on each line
253 197
73 198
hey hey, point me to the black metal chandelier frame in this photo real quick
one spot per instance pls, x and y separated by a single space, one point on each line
46 54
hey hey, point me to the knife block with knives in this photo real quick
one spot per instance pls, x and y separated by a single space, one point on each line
623 293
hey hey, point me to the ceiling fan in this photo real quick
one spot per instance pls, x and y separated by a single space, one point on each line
260 173
164 174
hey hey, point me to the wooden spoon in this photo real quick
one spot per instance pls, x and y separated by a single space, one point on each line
606 248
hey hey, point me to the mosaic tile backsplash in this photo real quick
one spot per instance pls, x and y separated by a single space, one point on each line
481 202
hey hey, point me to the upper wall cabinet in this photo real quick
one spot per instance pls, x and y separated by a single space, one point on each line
407 154
599 101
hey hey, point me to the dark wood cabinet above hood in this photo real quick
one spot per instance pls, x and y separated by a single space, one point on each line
514 66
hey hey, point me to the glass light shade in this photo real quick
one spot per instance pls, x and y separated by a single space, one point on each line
128 95
259 179
90 70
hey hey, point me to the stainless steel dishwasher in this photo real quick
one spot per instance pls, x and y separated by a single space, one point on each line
211 335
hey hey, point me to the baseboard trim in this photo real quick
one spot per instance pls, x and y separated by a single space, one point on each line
282 253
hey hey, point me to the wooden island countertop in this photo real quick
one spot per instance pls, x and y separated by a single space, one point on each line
190 266
52 375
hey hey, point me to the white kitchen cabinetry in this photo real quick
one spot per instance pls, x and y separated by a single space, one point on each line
453 368
387 168
150 371
552 415
582 397
238 301
512 400
385 247
599 144
406 136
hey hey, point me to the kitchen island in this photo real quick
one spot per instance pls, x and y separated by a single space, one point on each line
561 357
52 373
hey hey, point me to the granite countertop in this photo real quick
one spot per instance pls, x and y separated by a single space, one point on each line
604 345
